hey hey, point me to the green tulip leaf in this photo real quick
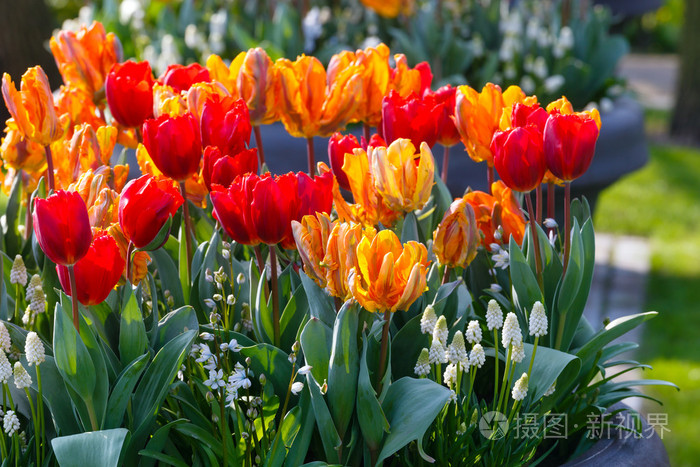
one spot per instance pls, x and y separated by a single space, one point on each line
132 332
72 357
122 391
101 448
370 415
316 342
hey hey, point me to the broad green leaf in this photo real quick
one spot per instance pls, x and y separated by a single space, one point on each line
406 347
526 291
285 437
409 232
132 332
297 453
370 415
261 313
72 357
157 443
122 391
183 260
92 448
329 435
272 362
320 303
343 367
409 420
574 271
13 241
169 278
316 342
293 316
172 325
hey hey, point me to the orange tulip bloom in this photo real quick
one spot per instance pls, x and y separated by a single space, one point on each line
405 79
200 93
75 107
477 116
89 148
403 178
500 209
390 8
308 105
389 276
563 106
167 101
32 107
341 256
311 236
20 153
456 238
140 261
84 58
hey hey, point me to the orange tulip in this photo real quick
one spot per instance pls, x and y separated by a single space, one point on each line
84 58
20 153
200 93
308 105
405 79
341 256
89 148
167 101
311 236
390 8
477 116
140 261
389 276
563 106
498 210
257 85
403 178
457 236
75 107
32 108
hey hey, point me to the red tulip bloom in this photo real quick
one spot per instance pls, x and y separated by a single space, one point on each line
181 78
144 207
223 169
174 145
518 157
569 144
225 123
411 117
129 90
446 129
97 272
274 206
338 146
232 208
314 194
523 115
62 227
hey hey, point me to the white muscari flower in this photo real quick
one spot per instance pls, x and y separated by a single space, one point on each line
5 341
511 331
518 352
553 83
494 315
35 294
453 397
539 67
18 273
473 333
5 368
437 352
501 259
520 388
216 379
450 376
477 357
34 349
566 38
551 389
28 316
423 364
428 320
297 387
527 84
10 423
457 352
538 320
22 378
440 331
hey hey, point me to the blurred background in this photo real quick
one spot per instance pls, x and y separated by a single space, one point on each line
638 61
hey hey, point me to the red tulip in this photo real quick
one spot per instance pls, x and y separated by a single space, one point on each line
97 272
314 194
411 117
181 78
232 208
338 146
174 145
129 90
446 129
223 169
518 157
426 76
523 115
145 206
225 123
569 144
274 206
62 227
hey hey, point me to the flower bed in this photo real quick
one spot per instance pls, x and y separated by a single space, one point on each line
209 312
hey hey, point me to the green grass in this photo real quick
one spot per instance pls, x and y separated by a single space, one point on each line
662 202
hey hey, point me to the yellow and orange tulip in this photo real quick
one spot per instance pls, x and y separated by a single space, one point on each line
456 238
311 236
20 153
341 256
477 117
390 8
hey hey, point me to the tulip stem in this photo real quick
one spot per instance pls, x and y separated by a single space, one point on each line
538 204
261 267
49 170
383 351
28 221
74 296
535 242
445 162
567 225
551 206
489 177
310 155
259 145
275 297
365 132
129 265
188 226
446 275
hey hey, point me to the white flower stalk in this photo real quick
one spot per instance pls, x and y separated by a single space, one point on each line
494 315
473 333
22 378
428 320
422 367
538 320
5 368
440 332
450 376
457 351
297 387
5 342
551 390
477 357
35 295
28 317
18 273
437 352
34 349
10 423
518 352
511 331
520 388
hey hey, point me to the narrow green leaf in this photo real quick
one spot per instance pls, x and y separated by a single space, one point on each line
370 415
316 342
320 304
183 265
122 391
132 332
169 277
72 357
329 435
